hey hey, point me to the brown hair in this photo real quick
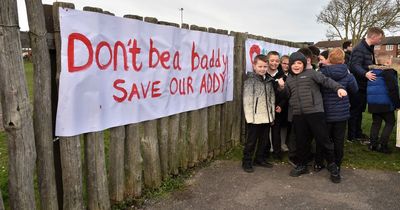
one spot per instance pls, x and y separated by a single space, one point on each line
375 31
336 56
272 53
260 57
284 57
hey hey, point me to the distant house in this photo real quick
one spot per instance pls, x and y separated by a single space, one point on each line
389 46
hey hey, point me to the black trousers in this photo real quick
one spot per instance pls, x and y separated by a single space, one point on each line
276 138
358 104
291 140
308 126
257 136
377 118
336 132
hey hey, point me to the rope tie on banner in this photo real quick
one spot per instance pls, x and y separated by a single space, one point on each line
9 26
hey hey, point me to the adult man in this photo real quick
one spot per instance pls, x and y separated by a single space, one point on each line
361 57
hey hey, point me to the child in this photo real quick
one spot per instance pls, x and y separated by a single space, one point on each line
382 99
259 110
280 100
285 64
323 59
303 89
337 110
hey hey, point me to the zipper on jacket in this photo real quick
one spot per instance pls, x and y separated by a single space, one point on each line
298 94
255 110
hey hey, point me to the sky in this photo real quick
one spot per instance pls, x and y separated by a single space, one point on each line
291 20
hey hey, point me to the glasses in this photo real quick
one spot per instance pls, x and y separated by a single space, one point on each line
285 63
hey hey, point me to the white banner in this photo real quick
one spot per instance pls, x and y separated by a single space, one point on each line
117 71
255 47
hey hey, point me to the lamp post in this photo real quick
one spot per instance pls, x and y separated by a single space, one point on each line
181 9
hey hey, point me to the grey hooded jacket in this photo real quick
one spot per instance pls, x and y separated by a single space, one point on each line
258 99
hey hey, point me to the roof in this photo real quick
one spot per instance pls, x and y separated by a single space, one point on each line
391 40
338 43
329 44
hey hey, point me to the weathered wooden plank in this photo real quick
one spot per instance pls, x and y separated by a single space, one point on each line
173 144
183 141
151 158
163 138
133 156
42 101
96 175
201 136
116 158
133 160
116 166
17 112
70 147
71 167
239 71
150 147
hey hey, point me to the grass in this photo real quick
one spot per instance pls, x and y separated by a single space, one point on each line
356 156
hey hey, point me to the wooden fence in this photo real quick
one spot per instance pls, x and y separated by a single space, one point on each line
141 155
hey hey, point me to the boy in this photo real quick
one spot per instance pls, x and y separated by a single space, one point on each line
259 111
303 89
337 110
285 64
280 100
383 99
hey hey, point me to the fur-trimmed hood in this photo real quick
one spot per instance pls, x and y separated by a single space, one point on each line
380 67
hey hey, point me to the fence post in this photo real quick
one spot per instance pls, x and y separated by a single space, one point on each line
133 160
70 147
96 175
43 122
150 147
133 157
239 71
116 166
17 113
116 159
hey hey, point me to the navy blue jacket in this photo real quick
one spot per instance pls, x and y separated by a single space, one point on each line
383 93
338 109
362 56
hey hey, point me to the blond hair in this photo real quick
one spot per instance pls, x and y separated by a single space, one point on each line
336 56
383 59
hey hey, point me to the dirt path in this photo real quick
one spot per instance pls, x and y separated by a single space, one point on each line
224 185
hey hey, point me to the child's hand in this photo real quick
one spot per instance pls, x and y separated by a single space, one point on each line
281 83
278 109
341 93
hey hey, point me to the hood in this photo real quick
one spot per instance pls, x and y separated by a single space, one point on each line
380 67
336 71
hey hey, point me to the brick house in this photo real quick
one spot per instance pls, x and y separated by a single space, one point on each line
389 46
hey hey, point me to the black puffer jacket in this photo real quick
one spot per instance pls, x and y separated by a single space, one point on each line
304 91
361 57
338 109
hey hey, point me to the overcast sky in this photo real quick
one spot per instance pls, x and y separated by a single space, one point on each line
292 20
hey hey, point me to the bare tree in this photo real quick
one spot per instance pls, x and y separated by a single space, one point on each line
350 19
